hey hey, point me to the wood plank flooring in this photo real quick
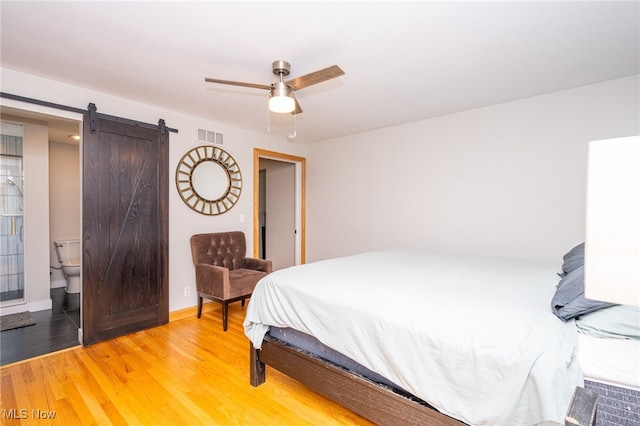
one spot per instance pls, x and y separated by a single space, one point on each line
188 372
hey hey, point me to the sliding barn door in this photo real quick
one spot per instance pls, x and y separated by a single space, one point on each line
125 229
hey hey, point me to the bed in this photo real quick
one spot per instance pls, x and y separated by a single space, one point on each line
611 364
417 337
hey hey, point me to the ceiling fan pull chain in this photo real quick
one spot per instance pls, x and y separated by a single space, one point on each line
293 135
268 121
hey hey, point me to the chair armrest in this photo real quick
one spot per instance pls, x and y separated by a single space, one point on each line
263 265
212 280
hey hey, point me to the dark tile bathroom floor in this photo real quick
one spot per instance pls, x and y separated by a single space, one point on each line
55 329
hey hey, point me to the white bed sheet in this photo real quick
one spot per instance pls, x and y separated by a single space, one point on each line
611 361
473 336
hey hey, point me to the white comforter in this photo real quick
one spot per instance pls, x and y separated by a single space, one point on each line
473 336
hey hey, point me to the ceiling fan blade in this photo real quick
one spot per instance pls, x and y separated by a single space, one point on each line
315 77
237 83
298 110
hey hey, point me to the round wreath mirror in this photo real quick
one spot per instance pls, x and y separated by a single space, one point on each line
209 180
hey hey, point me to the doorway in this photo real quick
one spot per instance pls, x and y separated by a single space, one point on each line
146 183
279 208
50 205
277 196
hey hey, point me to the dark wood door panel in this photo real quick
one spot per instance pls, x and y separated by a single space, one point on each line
125 230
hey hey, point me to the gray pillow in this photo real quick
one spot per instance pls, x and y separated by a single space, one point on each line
569 301
573 259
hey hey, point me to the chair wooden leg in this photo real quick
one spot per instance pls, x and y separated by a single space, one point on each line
243 302
225 314
199 306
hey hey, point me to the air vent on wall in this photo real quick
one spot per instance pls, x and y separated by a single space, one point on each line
209 136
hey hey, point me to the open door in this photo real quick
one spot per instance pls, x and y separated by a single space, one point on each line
125 228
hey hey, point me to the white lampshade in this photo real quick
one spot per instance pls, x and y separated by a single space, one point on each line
612 235
281 99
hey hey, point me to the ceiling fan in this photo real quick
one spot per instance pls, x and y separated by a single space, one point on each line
281 97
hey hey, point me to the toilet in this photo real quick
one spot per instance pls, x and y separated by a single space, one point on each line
68 252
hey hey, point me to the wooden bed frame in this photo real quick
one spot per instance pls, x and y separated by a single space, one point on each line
372 401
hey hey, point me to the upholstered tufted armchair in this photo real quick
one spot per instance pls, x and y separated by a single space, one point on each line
223 272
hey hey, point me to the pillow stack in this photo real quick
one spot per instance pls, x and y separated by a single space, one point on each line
569 301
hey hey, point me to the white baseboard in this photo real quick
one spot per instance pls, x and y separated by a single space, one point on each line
38 305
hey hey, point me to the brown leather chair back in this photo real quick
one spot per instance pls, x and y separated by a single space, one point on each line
226 249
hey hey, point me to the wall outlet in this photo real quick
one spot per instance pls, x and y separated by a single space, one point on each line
187 291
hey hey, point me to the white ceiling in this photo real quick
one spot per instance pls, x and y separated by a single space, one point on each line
404 61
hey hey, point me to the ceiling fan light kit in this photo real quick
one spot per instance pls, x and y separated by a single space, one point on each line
281 99
281 93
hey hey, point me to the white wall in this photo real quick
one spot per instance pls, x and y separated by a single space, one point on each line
64 201
183 222
506 180
503 180
36 217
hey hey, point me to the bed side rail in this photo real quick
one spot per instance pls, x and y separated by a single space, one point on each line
372 401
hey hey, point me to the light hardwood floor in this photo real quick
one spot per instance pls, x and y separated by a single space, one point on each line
188 372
